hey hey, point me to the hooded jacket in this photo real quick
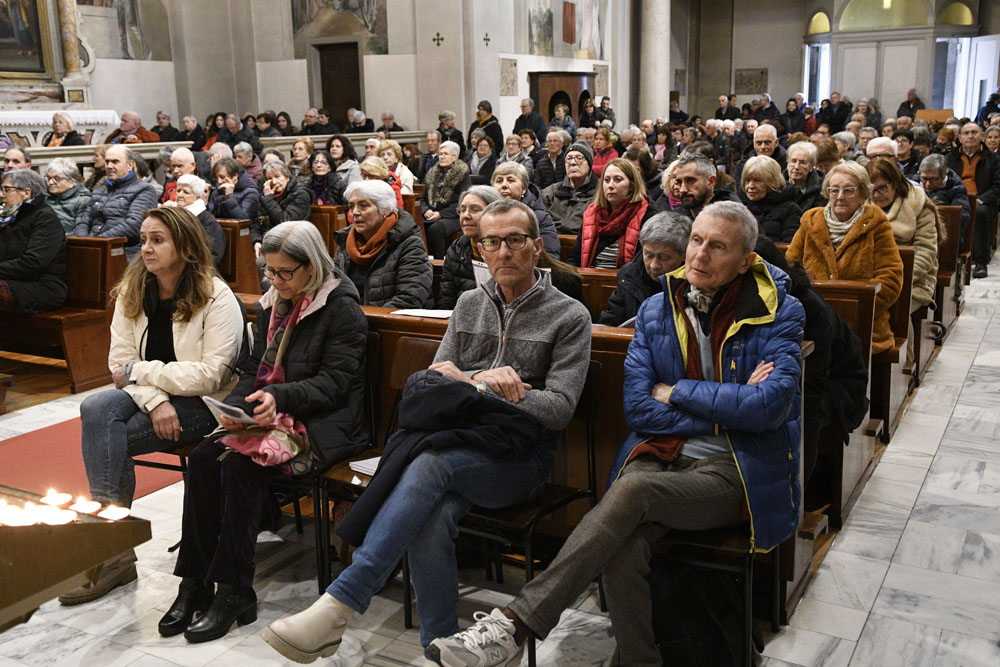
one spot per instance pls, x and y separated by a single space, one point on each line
868 252
324 370
914 221
206 348
777 213
566 204
33 257
243 204
761 423
400 277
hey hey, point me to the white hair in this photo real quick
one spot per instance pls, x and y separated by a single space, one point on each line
452 147
379 193
881 142
65 117
812 153
64 168
766 129
220 149
196 184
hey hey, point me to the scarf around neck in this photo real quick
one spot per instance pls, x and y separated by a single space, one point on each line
365 254
838 230
197 207
622 223
442 184
285 314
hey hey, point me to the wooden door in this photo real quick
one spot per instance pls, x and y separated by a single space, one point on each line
340 79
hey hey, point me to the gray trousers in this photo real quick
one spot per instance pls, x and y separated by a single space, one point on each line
648 499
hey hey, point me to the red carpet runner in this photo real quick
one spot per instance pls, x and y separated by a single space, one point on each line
50 458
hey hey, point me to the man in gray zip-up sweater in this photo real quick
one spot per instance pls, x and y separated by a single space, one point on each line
516 338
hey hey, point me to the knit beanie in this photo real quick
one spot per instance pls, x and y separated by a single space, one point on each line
584 149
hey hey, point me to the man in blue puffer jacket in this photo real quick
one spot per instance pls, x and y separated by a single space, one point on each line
712 381
119 204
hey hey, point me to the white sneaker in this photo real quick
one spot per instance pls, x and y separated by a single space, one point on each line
488 643
310 634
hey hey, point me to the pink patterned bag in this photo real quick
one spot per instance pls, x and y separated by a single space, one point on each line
284 443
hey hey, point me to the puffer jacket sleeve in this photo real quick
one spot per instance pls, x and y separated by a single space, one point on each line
925 259
754 408
414 276
449 290
222 336
128 225
241 205
643 413
342 361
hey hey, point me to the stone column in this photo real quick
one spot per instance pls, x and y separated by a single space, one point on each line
67 30
654 61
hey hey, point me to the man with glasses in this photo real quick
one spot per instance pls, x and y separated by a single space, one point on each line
309 122
944 186
569 198
515 347
979 169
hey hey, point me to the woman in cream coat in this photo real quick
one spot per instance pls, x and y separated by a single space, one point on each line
175 337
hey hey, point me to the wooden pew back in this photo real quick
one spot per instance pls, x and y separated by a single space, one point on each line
93 267
598 284
951 221
899 314
329 219
238 266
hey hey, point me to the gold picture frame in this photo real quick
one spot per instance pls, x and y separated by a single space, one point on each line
41 33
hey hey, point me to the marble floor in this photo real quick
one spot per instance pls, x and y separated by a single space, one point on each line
912 579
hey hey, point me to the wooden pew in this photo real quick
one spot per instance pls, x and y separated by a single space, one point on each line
947 293
598 284
418 190
891 373
79 331
6 381
966 255
566 243
238 266
329 219
841 470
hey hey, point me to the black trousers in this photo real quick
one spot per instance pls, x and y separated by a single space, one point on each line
982 244
223 501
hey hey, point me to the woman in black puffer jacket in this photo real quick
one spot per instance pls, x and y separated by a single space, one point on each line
764 191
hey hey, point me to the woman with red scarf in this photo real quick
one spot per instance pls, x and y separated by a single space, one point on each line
609 236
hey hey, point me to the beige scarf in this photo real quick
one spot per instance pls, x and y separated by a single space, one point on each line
838 230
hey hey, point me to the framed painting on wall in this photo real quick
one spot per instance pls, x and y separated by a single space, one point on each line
25 48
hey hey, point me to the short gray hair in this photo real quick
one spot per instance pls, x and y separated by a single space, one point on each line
24 152
882 142
502 206
243 148
868 128
669 228
934 162
66 118
810 150
485 192
277 165
63 167
163 155
766 129
25 179
379 193
705 166
196 183
301 241
358 116
452 147
446 115
505 168
846 137
220 149
734 211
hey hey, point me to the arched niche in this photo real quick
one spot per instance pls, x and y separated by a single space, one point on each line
819 24
957 13
560 97
874 14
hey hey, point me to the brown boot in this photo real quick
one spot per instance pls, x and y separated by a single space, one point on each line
104 578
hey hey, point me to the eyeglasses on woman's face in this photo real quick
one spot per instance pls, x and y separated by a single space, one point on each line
284 274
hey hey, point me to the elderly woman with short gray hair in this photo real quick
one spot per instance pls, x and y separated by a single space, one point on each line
664 240
66 194
32 247
382 253
190 195
445 182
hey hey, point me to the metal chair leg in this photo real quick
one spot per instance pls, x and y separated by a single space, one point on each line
600 593
407 597
318 525
298 515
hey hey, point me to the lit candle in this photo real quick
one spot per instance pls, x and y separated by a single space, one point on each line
113 513
53 516
56 499
84 506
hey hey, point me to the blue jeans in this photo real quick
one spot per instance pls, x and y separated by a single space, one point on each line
421 517
115 429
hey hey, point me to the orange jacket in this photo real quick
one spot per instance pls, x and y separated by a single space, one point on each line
140 136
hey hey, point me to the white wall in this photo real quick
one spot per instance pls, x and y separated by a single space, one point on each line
143 86
390 85
282 85
769 34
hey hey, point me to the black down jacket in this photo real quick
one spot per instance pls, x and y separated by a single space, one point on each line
33 257
777 214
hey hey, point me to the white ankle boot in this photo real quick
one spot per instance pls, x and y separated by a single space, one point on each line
310 634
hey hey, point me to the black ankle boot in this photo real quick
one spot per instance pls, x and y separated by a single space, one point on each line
229 605
193 597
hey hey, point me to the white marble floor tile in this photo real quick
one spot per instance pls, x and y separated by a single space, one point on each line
42 643
847 580
891 641
936 398
399 653
894 456
935 612
956 649
972 511
990 482
931 546
151 661
958 474
802 647
899 472
829 619
980 557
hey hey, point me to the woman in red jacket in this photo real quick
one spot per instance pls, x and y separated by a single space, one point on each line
609 236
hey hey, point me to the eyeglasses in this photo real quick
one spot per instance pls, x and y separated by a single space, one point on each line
284 274
836 192
320 163
513 241
574 159
55 179
875 156
10 188
880 190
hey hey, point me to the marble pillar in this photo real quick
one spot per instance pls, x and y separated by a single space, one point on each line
75 83
654 60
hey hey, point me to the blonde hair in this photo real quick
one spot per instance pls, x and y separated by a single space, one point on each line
194 289
853 169
766 169
637 189
391 145
374 167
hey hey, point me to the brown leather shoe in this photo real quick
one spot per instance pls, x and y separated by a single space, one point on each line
104 578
